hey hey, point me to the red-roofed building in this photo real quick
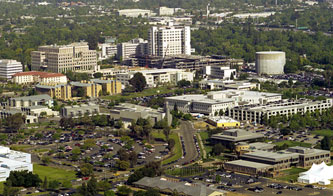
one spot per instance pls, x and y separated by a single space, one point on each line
39 77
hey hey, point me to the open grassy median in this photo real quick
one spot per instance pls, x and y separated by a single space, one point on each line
53 173
323 132
291 174
146 92
177 149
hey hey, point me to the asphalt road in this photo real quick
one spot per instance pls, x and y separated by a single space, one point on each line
187 132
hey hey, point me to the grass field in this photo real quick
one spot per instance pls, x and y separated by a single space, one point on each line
293 143
291 174
146 92
20 147
202 125
323 132
204 136
53 173
176 151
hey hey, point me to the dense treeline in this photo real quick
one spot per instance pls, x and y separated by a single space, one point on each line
63 31
316 18
243 42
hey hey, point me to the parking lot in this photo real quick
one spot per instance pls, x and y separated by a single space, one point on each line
250 185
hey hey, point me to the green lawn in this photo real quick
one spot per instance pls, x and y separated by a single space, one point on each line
293 143
176 151
146 92
204 136
158 135
291 174
53 173
323 132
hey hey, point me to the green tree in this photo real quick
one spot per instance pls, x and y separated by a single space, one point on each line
218 178
138 82
46 160
15 122
92 187
124 191
166 132
98 75
218 149
54 184
86 169
326 143
45 183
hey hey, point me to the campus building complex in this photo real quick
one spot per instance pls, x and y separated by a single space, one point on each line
27 101
216 101
129 112
256 113
157 76
268 162
76 111
86 89
58 91
63 58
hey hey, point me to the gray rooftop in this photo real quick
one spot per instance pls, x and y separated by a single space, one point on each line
271 156
79 84
235 135
261 146
49 86
249 164
181 187
33 98
100 81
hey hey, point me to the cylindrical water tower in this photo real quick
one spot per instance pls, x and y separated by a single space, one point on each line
270 62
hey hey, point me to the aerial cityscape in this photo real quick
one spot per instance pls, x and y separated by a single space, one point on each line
167 97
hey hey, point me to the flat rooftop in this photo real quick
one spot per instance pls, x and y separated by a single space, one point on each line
222 119
250 164
33 98
135 108
271 156
236 135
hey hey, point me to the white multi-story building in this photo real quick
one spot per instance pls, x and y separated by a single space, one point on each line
158 76
256 113
218 100
9 67
134 13
220 72
169 40
166 11
108 50
63 58
39 77
132 48
13 161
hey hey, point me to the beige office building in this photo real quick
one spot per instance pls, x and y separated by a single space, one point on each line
63 58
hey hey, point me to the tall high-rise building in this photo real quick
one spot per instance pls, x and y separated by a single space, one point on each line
9 67
63 58
169 40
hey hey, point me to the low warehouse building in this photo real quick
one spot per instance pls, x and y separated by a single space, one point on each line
223 121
